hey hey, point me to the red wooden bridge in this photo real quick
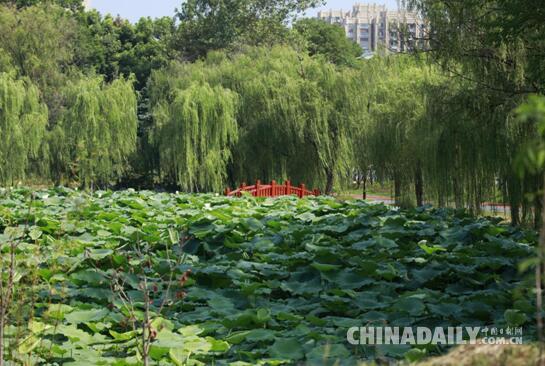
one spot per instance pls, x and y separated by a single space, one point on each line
272 190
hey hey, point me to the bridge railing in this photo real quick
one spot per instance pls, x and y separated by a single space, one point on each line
272 189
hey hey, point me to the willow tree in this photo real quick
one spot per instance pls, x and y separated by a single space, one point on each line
97 131
394 136
294 117
194 133
297 112
468 156
271 117
432 134
336 109
493 54
23 120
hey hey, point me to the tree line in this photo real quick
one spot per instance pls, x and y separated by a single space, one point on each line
229 92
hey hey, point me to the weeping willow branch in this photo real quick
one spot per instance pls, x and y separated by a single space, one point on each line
97 132
23 120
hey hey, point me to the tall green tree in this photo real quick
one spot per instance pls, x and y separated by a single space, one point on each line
497 44
38 43
97 132
493 51
23 121
395 134
75 5
295 116
114 47
329 40
207 25
194 134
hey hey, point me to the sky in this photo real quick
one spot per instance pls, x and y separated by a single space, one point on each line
134 9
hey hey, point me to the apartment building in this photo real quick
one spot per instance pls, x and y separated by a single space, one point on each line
375 27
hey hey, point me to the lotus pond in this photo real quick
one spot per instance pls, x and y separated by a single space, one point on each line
246 281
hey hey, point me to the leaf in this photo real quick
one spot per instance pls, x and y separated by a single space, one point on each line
91 277
237 337
515 318
410 305
287 349
58 311
329 351
83 316
385 243
348 279
74 334
123 336
322 267
98 254
28 345
14 232
221 305
167 339
263 315
260 335
37 327
217 345
179 356
190 330
104 233
35 233
430 250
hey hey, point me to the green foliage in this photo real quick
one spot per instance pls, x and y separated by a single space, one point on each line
492 54
207 25
75 5
272 279
293 109
499 43
38 42
531 115
194 134
23 119
114 47
97 131
328 40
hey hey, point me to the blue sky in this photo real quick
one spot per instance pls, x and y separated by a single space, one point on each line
134 9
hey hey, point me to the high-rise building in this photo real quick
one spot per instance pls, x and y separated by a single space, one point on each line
375 27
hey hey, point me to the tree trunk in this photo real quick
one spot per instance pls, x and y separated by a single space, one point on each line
397 189
329 181
515 214
458 199
358 180
419 186
364 186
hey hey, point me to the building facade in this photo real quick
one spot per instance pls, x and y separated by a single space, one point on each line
374 27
